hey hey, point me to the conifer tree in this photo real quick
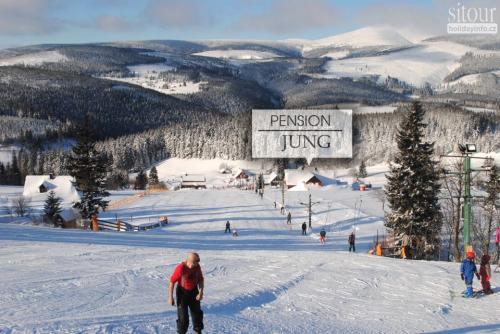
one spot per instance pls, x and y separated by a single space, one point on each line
153 177
413 186
141 180
89 168
362 170
52 206
15 172
3 174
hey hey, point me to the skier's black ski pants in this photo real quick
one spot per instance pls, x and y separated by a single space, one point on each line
187 299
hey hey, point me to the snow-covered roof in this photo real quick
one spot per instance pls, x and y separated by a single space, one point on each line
61 185
68 214
268 178
295 176
193 178
239 171
301 186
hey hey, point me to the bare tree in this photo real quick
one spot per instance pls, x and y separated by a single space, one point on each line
453 188
21 205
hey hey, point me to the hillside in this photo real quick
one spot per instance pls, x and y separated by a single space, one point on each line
269 279
198 92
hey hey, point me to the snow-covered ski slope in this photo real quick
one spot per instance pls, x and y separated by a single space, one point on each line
270 279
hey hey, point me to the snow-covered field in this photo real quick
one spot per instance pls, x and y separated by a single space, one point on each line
6 153
270 279
149 76
238 54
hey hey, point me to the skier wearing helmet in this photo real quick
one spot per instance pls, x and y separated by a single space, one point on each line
467 271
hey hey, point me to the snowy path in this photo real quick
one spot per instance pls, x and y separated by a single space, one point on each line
268 280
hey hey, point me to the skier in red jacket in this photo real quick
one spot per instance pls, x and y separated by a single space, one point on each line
485 274
189 293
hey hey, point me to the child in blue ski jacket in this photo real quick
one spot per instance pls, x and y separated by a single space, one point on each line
467 271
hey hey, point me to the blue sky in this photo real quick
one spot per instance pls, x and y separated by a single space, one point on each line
25 22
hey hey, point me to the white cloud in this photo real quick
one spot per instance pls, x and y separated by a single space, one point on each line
113 23
292 16
28 17
176 13
416 21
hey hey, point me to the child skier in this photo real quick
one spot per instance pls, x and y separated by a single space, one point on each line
467 271
485 273
322 236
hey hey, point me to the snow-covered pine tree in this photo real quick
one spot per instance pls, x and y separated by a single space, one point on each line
362 170
413 186
153 177
52 206
89 168
16 177
141 180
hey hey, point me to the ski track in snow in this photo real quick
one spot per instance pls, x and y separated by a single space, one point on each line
270 279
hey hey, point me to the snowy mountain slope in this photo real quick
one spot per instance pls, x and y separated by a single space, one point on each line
238 54
37 58
429 62
270 279
364 37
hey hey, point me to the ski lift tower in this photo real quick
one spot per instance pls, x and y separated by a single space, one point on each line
467 150
309 208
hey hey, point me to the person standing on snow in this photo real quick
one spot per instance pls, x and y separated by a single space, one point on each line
467 271
352 240
322 236
497 242
228 227
189 293
289 218
485 274
304 228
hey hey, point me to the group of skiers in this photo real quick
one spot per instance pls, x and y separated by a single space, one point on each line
468 270
190 282
351 240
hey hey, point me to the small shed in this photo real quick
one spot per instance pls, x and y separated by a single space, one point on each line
241 174
194 181
68 218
